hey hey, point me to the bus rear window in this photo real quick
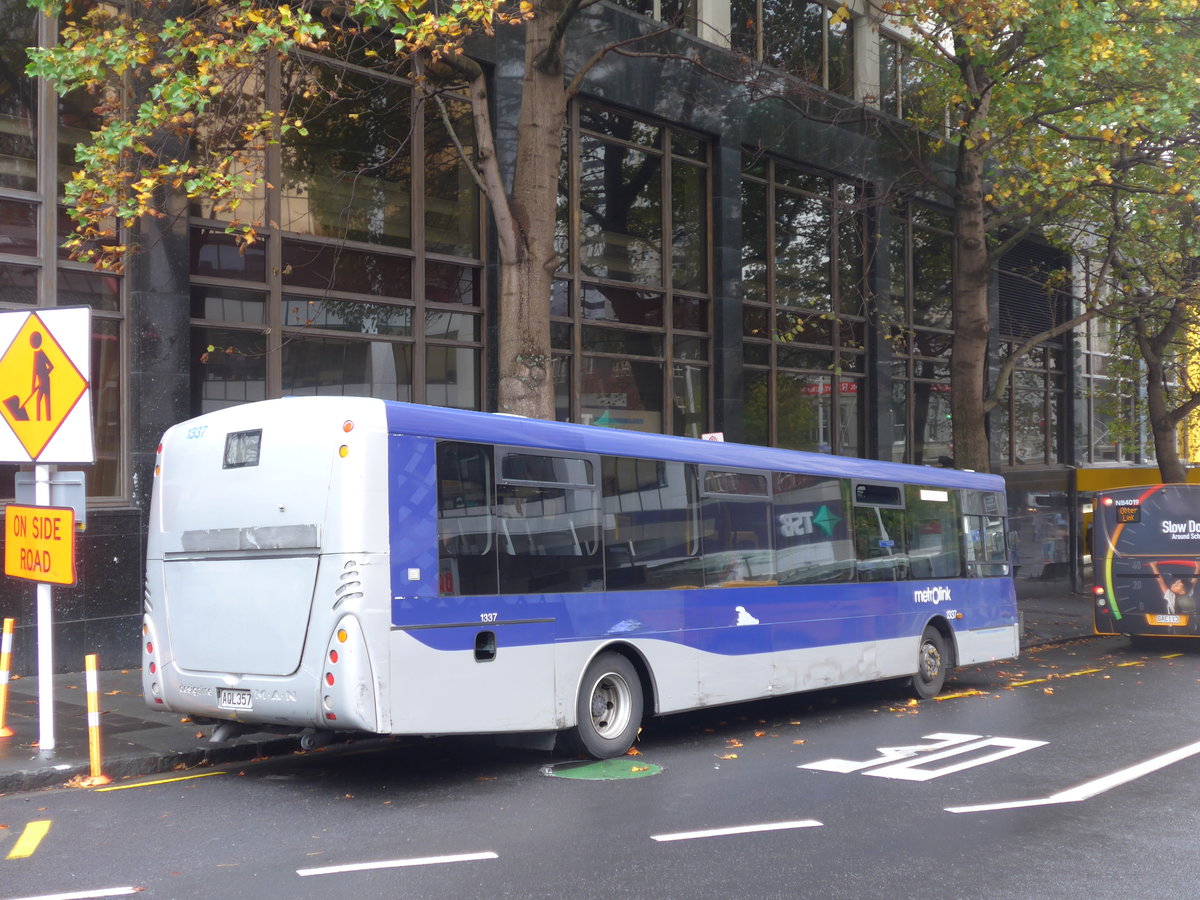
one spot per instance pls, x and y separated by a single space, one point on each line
241 449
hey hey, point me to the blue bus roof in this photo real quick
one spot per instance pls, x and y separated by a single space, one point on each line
497 428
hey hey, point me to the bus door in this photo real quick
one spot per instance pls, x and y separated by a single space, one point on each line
739 560
1147 560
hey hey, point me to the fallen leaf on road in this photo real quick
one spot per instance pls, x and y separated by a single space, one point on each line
728 756
801 741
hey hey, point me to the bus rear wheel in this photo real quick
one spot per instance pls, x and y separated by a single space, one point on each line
931 664
608 711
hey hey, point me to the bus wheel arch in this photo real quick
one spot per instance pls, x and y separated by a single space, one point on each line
610 703
935 658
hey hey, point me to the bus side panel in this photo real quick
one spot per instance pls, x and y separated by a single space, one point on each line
412 517
762 641
989 627
450 689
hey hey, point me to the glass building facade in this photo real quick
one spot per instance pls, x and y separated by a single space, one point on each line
725 267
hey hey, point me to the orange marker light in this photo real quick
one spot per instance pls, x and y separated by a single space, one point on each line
347 426
342 636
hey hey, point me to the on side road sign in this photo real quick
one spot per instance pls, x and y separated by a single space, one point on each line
39 543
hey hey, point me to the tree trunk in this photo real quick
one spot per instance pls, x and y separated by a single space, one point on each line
969 289
528 260
1162 422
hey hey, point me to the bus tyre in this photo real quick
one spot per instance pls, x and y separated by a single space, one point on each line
931 664
609 707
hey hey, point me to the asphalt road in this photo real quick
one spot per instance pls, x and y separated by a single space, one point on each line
1069 773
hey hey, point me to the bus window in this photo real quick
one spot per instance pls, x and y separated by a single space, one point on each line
812 529
466 545
879 532
651 524
735 512
547 524
986 545
934 548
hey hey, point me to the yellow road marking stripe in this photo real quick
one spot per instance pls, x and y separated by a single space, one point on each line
125 787
970 693
28 842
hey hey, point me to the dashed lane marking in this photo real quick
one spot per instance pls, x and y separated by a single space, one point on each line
27 843
397 863
736 829
86 895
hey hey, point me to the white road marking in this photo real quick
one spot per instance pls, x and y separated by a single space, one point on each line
397 863
914 769
908 763
737 829
86 895
1092 788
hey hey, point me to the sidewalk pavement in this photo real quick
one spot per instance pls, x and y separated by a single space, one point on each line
137 740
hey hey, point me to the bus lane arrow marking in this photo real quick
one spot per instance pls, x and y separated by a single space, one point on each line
1092 788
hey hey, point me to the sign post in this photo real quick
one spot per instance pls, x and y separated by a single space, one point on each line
45 400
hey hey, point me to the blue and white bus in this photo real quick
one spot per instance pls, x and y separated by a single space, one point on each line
327 563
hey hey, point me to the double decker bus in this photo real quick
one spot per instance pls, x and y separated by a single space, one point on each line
1147 560
325 564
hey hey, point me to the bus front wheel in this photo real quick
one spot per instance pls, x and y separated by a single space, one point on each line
608 710
931 664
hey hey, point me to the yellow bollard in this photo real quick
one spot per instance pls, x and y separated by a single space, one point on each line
93 710
5 660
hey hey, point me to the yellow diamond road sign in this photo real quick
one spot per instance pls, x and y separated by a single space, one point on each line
44 396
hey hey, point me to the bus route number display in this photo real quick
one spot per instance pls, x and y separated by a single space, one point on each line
1129 515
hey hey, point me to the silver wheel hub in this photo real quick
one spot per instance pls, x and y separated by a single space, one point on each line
610 706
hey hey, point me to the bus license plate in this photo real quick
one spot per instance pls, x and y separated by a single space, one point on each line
234 698
1167 620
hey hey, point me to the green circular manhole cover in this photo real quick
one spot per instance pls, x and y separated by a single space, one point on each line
602 770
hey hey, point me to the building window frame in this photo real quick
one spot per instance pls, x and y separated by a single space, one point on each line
596 336
816 346
416 288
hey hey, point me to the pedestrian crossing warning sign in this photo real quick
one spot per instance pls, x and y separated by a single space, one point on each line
44 394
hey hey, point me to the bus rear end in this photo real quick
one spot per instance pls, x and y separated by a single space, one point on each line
266 570
1147 560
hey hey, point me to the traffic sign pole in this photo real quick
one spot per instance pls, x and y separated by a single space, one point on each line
45 403
45 623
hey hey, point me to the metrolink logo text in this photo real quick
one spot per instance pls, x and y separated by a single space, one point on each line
935 595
